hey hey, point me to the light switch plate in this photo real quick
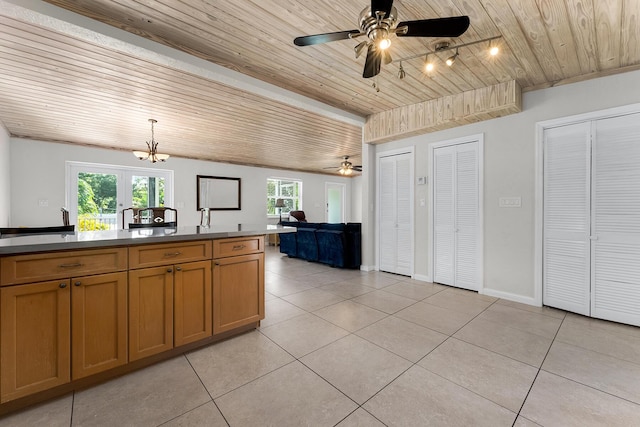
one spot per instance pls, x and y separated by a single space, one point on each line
510 202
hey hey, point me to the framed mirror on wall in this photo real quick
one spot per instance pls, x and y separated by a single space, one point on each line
218 193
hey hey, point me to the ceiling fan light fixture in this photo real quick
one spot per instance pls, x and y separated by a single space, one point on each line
152 149
384 44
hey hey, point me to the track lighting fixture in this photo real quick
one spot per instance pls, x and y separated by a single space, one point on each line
493 48
445 46
428 65
450 60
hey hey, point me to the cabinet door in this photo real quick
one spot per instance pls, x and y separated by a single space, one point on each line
150 311
98 323
35 343
238 291
192 302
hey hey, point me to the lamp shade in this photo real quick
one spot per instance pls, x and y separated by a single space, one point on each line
280 203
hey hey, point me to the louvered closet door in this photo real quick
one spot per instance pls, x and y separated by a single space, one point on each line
387 220
615 275
456 215
566 259
444 211
404 254
467 216
396 229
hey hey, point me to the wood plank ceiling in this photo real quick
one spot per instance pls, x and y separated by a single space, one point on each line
58 87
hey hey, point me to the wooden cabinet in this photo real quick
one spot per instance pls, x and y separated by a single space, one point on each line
68 315
61 265
192 302
169 305
150 311
35 341
56 331
98 323
238 283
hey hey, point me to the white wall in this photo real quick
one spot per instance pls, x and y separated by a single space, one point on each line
509 160
38 172
5 177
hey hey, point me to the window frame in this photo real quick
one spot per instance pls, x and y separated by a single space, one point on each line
124 192
279 195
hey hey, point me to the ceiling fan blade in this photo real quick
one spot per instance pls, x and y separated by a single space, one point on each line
453 26
381 6
360 47
357 168
324 38
372 64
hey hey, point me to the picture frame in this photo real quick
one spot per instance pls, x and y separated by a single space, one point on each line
218 193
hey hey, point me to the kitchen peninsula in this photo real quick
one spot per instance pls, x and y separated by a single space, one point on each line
80 308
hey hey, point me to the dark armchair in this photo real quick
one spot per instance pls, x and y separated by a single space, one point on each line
298 215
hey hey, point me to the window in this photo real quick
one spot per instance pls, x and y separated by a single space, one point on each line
288 190
96 194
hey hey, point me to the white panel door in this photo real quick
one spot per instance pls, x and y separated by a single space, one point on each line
395 214
615 254
566 246
456 215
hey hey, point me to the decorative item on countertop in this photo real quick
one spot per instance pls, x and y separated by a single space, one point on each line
205 218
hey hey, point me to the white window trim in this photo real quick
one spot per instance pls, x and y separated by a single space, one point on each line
277 178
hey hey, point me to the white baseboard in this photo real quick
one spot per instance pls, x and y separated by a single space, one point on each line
511 297
367 268
422 277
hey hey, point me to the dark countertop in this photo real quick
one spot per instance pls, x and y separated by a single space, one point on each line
101 239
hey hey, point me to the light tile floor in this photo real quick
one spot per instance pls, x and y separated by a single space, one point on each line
351 348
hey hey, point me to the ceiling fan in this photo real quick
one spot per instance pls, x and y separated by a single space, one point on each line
346 167
378 22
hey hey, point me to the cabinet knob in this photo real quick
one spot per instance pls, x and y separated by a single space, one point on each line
169 270
178 268
78 283
62 285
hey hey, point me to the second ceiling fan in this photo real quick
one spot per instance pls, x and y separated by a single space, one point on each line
378 22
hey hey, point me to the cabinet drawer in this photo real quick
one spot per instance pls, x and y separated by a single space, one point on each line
163 254
49 266
223 248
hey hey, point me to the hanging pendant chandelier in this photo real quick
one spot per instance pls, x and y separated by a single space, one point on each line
152 149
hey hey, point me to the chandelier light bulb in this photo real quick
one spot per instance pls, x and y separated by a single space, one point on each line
384 44
494 50
429 67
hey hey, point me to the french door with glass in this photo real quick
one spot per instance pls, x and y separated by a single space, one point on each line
97 194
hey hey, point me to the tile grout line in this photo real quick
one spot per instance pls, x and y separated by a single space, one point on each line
207 390
539 369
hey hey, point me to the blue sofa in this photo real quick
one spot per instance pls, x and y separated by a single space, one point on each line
337 245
